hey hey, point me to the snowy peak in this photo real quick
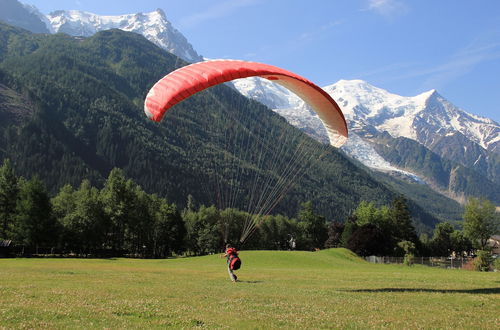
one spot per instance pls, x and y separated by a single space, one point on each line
268 93
25 16
427 118
422 118
34 11
361 100
447 119
154 26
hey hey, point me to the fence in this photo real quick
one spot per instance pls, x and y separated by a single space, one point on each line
443 262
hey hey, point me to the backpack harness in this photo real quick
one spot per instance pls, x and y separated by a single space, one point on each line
233 260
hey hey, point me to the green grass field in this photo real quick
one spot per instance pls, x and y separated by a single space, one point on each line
326 289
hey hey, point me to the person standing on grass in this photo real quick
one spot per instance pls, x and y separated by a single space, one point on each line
233 261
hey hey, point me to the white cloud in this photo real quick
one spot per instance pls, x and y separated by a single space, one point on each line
461 63
439 75
388 8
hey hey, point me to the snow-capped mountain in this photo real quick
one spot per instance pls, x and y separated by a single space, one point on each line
423 118
297 113
154 26
34 11
25 16
428 119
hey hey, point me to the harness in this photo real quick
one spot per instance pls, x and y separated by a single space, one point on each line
233 260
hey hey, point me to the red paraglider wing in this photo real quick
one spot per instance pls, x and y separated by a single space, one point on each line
186 81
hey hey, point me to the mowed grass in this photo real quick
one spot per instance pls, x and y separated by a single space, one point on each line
278 289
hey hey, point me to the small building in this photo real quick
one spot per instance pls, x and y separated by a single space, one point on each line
5 246
494 244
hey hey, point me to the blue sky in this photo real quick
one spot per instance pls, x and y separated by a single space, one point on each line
406 47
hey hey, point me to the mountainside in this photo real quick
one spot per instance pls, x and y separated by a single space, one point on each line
87 118
429 119
420 118
154 26
464 146
27 17
448 177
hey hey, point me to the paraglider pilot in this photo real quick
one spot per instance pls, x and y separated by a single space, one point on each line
233 261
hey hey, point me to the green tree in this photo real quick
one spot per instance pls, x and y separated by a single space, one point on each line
368 213
401 218
139 220
117 200
409 249
169 229
335 230
480 221
231 224
203 230
365 240
64 203
483 261
35 225
88 221
9 192
350 227
441 244
274 232
63 207
460 243
383 238
313 226
190 204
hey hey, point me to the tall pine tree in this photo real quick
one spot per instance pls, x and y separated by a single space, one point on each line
36 226
9 192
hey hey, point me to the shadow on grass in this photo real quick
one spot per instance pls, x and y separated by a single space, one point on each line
250 282
471 291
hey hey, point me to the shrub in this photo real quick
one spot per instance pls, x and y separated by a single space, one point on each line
469 265
408 260
496 264
483 261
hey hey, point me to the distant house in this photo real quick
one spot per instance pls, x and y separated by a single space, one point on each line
5 248
494 244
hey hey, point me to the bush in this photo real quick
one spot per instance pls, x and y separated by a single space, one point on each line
483 261
469 265
496 264
408 260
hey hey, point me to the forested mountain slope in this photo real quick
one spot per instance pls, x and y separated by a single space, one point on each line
81 101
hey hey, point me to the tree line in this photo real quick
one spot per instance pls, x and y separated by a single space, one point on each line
388 231
121 219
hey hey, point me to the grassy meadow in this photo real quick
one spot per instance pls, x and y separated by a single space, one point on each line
278 289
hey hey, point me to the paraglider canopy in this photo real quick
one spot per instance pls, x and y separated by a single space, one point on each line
186 81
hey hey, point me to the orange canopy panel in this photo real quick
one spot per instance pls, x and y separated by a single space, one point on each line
191 79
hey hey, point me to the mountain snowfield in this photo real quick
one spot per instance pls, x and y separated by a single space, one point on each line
33 10
367 109
154 26
366 105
